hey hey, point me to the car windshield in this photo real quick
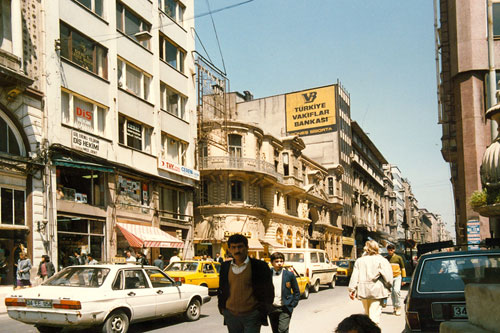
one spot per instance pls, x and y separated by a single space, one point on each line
87 277
453 273
342 263
294 257
182 266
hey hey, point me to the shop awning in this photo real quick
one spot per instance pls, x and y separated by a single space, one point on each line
255 245
146 236
274 244
81 165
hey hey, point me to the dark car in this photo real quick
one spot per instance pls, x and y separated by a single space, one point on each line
436 292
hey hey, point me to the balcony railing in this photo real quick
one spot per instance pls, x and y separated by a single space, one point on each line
239 163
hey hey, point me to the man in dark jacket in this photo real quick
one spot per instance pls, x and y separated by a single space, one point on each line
285 301
246 291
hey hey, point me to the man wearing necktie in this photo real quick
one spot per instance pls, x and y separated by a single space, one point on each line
286 294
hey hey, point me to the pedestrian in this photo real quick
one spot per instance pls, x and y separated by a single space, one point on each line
398 272
141 259
246 291
23 271
175 257
286 294
357 323
46 269
159 262
371 280
76 258
129 257
91 260
218 258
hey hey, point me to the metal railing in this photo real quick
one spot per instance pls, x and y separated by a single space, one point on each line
239 163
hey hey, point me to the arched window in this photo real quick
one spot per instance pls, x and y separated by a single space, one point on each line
298 239
279 235
289 238
10 139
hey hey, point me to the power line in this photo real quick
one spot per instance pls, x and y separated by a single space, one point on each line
216 36
203 46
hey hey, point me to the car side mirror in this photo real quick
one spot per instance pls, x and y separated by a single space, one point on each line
178 283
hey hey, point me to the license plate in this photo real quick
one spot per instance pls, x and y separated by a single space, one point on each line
39 303
459 311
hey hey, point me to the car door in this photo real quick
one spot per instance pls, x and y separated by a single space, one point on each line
137 293
315 267
168 294
210 275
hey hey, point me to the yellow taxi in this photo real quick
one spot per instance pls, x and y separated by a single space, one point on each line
302 281
197 272
344 269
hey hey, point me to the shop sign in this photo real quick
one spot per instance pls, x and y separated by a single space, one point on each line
178 169
85 142
84 119
311 111
228 234
134 130
118 260
473 234
347 240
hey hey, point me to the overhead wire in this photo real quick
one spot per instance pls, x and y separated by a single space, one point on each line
216 36
203 46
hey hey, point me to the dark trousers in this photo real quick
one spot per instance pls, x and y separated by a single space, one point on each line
249 323
280 320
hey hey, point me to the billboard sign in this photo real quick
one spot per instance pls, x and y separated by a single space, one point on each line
473 234
310 111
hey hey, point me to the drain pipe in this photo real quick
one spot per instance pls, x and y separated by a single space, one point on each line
492 94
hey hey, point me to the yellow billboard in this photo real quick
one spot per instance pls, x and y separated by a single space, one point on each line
310 111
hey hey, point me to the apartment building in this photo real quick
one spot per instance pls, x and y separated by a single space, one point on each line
22 121
121 127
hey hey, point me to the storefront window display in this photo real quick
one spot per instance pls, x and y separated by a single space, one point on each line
82 234
80 185
132 192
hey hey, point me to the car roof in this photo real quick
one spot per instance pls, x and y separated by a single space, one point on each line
458 253
197 261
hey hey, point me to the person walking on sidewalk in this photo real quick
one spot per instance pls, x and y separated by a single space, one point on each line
286 294
398 272
246 291
46 268
371 280
23 271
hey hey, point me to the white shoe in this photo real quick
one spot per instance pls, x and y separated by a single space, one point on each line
397 311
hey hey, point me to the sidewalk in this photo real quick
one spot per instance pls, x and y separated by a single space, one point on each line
4 291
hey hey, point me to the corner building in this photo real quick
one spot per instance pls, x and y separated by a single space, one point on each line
121 127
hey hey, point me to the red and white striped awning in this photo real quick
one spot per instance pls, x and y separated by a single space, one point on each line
146 236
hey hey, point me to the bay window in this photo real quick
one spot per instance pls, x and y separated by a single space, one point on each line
83 51
81 113
130 24
173 150
134 80
172 102
134 134
172 54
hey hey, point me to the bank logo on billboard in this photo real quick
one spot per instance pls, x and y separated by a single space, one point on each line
310 112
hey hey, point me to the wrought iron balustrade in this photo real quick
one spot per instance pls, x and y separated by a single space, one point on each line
239 163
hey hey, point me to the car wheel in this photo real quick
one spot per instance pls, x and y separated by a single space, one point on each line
48 329
193 310
117 322
204 285
315 288
332 283
305 295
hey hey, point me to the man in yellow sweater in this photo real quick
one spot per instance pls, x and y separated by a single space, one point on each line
246 290
398 272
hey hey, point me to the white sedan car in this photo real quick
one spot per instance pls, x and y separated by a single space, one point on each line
109 296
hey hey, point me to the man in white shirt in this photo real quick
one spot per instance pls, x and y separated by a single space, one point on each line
175 258
130 258
286 294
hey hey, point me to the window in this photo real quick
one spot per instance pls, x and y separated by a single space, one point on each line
234 145
12 202
173 203
496 19
5 26
134 135
286 168
172 102
173 149
236 190
93 5
134 80
130 24
80 185
132 191
8 140
135 279
84 114
159 279
330 186
83 51
172 9
172 54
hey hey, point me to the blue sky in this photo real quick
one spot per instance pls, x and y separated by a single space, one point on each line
382 51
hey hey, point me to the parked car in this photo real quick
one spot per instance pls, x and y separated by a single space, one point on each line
109 296
314 264
201 273
344 269
436 292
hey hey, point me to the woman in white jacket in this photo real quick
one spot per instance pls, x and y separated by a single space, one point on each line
371 280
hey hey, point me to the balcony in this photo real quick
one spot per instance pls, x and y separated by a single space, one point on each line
239 163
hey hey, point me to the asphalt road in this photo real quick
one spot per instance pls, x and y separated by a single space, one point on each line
320 313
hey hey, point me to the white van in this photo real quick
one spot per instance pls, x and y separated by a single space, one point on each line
313 263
